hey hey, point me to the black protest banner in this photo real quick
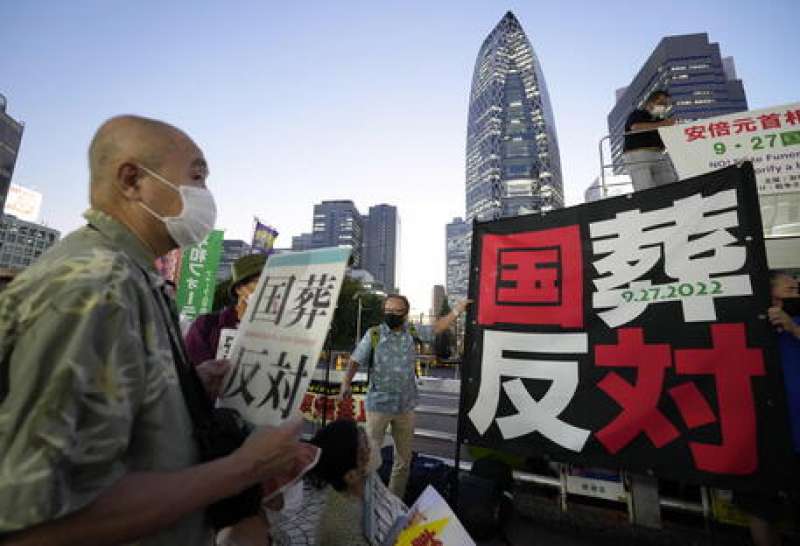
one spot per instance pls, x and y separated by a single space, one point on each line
630 333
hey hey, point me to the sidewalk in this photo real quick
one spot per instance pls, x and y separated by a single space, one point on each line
539 521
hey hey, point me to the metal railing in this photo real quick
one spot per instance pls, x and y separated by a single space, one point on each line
603 165
773 206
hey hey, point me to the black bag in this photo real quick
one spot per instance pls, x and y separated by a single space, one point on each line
218 436
218 431
441 344
424 471
485 500
427 471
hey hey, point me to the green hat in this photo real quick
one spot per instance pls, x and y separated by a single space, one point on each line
245 268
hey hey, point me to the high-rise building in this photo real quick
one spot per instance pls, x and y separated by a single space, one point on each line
10 139
22 242
457 252
381 255
232 250
304 241
512 165
338 223
700 81
437 299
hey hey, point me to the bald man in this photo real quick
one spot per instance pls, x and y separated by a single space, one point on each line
96 440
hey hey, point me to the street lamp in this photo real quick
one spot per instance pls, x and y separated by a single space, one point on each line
357 296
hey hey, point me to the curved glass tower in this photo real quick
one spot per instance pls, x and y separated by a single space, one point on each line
513 166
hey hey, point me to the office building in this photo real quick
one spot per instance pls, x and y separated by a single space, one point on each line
22 242
338 223
381 255
304 241
692 70
458 234
512 165
437 299
374 238
10 139
232 250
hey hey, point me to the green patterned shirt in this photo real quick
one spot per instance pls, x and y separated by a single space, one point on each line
88 387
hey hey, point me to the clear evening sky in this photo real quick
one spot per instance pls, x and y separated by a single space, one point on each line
294 103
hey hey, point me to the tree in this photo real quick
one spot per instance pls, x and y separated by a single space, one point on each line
345 318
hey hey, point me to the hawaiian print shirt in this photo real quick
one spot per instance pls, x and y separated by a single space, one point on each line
88 386
392 384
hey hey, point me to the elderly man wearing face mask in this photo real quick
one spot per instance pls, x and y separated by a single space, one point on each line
645 160
392 394
96 438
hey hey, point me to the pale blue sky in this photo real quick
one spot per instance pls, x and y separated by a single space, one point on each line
367 101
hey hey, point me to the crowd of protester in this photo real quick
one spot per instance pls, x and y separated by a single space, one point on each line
99 404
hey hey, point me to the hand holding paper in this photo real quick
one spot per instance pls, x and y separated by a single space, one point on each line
271 452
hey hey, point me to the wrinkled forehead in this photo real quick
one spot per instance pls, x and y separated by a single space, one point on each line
394 304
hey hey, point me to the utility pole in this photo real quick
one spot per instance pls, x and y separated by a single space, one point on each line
358 318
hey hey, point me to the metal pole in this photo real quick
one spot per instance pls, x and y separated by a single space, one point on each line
358 321
602 168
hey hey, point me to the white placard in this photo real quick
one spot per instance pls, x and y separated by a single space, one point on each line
769 137
226 338
432 521
23 203
282 333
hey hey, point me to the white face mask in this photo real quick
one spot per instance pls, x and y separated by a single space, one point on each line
197 216
659 110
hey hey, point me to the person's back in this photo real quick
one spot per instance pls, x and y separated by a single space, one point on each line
340 522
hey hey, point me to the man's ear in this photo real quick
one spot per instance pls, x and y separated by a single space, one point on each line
128 177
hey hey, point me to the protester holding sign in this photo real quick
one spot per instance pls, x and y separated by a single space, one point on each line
97 439
764 510
202 340
785 316
645 160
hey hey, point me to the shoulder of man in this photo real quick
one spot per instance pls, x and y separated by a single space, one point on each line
82 269
639 115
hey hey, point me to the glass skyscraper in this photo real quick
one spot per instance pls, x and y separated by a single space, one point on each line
513 165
